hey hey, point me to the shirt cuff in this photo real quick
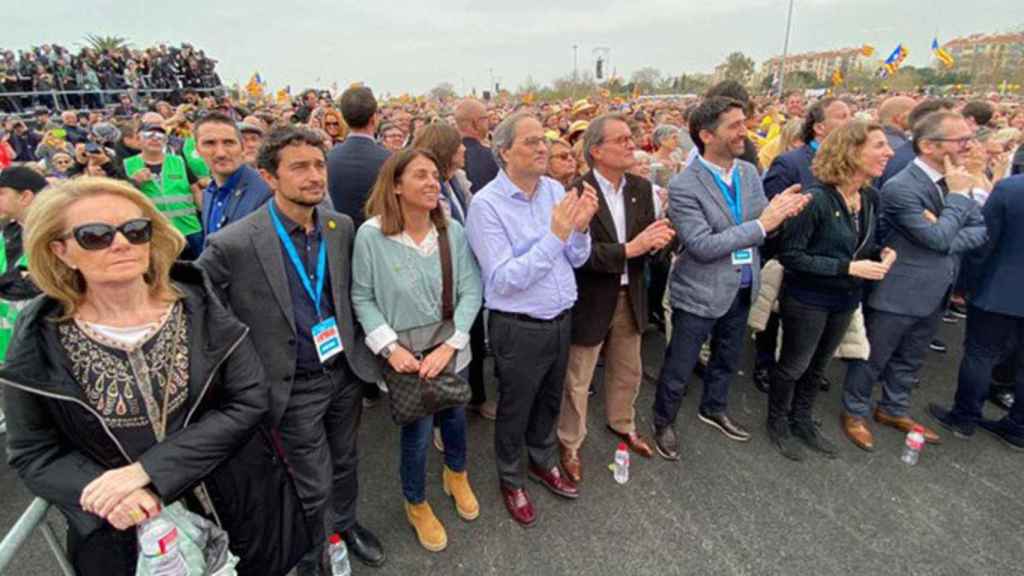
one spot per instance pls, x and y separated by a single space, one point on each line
551 245
380 337
764 234
459 340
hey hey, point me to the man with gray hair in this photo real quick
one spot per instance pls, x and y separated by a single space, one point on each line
611 311
528 234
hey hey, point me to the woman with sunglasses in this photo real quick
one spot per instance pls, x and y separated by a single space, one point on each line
128 384
335 127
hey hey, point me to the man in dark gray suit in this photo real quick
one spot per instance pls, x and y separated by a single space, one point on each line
352 166
285 271
719 210
928 217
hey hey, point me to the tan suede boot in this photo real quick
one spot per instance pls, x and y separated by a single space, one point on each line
456 485
428 528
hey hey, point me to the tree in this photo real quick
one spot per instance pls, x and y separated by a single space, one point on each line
443 91
105 43
739 67
648 79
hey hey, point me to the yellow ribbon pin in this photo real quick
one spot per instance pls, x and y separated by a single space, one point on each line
331 224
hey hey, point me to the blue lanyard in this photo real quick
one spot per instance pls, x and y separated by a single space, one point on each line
732 195
814 145
321 260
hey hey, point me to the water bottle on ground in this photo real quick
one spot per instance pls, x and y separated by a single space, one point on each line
913 446
622 464
158 545
339 557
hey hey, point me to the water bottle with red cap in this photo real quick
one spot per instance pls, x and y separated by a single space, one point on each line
622 463
338 554
913 446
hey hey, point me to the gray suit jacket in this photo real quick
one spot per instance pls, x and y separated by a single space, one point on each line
927 253
245 263
704 281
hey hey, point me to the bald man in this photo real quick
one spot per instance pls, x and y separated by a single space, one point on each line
893 116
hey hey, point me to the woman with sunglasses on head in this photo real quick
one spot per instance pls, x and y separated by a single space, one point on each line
127 384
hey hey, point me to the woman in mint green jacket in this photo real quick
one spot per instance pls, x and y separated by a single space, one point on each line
396 294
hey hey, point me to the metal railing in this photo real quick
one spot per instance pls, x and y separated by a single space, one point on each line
61 102
33 517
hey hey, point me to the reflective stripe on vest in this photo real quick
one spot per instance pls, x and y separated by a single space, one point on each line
173 196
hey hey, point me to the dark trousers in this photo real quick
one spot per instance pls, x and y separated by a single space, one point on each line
689 332
478 347
898 347
531 358
659 269
319 430
990 336
810 336
766 343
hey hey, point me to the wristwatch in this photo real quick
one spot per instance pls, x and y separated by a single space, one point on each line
386 351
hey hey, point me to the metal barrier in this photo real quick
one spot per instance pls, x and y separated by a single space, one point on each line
33 517
60 102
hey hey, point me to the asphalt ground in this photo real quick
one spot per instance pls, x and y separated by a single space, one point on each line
726 508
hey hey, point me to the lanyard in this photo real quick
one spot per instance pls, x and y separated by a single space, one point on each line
321 260
732 195
814 145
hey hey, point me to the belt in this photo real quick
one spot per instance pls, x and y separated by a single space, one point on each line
531 319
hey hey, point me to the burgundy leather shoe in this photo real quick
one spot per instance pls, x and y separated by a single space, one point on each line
554 481
518 505
635 442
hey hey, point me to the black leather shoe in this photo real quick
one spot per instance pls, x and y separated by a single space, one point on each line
362 544
809 434
666 443
1010 434
725 425
1001 396
942 416
762 380
787 445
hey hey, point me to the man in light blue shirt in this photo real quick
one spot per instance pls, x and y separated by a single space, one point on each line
528 234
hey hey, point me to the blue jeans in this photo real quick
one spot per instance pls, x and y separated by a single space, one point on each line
990 336
416 437
689 332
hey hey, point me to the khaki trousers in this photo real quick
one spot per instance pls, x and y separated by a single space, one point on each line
623 374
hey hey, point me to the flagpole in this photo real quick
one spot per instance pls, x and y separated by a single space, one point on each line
785 51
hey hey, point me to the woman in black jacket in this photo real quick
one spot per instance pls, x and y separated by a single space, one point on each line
128 384
828 252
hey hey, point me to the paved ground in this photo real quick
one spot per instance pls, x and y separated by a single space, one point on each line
725 509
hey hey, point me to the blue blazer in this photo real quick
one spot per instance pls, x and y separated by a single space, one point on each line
902 155
793 167
999 276
250 193
352 168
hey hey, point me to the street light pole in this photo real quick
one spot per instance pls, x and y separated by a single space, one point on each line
785 51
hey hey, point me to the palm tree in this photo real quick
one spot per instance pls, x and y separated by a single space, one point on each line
104 43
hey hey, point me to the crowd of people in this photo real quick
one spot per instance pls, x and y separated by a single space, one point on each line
199 299
51 67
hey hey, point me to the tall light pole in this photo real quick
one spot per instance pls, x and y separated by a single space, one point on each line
575 62
785 51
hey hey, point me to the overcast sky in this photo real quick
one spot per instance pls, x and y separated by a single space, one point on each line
410 46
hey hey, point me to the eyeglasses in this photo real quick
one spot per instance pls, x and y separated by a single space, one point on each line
961 142
621 140
98 236
152 135
535 142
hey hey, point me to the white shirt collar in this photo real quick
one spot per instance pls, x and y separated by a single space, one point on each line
606 185
725 175
932 173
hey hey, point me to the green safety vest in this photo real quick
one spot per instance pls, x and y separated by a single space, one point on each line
195 162
8 310
172 196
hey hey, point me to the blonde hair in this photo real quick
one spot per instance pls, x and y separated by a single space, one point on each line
790 135
838 159
342 126
45 223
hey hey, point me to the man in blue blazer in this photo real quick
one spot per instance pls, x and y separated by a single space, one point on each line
995 320
721 216
236 189
928 217
352 166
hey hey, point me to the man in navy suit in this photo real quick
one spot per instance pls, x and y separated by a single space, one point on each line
904 153
236 189
793 167
995 321
352 166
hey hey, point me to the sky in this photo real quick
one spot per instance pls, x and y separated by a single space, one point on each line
399 46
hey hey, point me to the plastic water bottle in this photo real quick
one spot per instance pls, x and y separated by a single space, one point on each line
622 464
914 444
339 557
158 545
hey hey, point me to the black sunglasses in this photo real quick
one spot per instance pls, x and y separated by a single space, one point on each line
99 236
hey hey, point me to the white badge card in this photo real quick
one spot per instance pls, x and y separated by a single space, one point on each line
327 339
743 257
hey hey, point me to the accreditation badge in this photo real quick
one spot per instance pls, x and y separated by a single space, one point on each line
327 339
743 257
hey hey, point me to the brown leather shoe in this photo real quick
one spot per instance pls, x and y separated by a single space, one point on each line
857 431
635 442
554 481
518 505
905 424
571 464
